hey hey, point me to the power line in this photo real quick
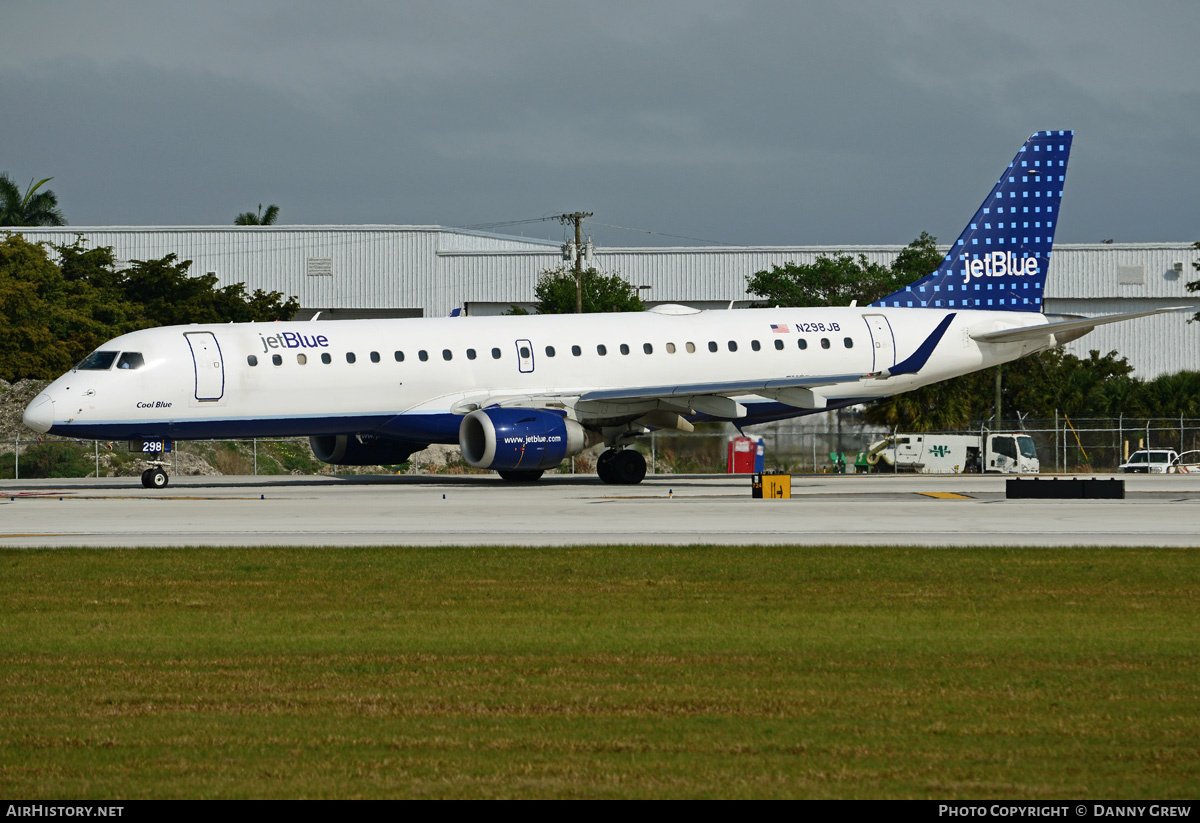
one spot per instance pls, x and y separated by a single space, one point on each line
663 234
502 224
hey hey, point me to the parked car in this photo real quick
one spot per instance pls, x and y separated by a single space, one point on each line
1150 461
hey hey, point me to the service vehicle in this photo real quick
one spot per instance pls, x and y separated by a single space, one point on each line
1004 453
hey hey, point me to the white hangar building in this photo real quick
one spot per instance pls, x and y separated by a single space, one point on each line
373 271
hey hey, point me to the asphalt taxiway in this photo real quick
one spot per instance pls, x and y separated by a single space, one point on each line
962 510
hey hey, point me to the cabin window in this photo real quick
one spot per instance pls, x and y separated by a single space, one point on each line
712 345
97 361
576 351
447 354
422 355
733 345
399 356
277 359
754 344
647 348
131 360
470 354
601 349
350 358
802 344
252 360
778 344
495 354
849 343
302 358
670 348
624 349
824 342
374 357
326 358
691 347
549 351
525 352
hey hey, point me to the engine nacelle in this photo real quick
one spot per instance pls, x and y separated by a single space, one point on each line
361 449
508 439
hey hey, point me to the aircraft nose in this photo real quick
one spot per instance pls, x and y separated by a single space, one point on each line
39 414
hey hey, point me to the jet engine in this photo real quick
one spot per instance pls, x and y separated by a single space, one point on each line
518 439
361 449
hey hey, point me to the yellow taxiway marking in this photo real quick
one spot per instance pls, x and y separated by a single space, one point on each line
947 495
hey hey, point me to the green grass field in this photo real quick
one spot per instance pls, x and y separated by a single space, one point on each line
600 672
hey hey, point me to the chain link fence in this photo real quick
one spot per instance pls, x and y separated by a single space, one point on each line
798 446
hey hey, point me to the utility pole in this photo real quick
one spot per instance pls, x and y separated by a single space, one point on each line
577 219
999 424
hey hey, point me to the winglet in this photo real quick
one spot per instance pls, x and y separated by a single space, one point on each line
917 360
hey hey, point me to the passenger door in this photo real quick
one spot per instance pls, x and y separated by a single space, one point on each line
209 364
883 342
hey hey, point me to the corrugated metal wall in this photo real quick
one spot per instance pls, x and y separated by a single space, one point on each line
438 269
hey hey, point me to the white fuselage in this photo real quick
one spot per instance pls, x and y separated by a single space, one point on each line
409 379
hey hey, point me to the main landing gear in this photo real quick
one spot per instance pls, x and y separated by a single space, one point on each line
621 467
155 478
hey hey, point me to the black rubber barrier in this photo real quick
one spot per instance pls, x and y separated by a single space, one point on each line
1061 489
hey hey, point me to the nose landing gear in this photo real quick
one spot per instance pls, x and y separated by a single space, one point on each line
155 478
621 467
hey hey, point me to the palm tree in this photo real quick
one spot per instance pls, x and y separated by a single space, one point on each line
34 209
249 218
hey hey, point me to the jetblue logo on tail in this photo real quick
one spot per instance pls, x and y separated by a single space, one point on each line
1000 261
1000 264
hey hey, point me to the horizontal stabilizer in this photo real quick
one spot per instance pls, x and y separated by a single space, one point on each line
1084 326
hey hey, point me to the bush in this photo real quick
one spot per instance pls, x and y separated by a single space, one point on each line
44 460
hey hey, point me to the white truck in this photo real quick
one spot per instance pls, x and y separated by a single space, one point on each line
1006 453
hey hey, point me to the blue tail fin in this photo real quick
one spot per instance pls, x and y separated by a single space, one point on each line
1000 261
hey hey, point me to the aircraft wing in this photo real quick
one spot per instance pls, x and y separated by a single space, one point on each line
714 398
1083 326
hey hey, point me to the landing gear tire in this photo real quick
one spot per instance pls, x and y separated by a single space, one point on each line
521 475
623 467
604 465
155 478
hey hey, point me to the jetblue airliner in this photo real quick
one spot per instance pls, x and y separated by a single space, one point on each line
520 394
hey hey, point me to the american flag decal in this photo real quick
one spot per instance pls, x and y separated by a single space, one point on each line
780 328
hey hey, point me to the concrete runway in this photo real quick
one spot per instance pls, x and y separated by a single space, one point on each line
1159 510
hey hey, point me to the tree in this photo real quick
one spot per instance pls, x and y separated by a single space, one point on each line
601 292
916 260
35 208
54 314
249 218
1038 386
835 281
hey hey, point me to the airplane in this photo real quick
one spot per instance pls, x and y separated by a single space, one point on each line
520 394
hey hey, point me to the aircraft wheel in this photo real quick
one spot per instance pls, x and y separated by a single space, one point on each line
521 475
157 479
621 467
604 466
629 467
146 479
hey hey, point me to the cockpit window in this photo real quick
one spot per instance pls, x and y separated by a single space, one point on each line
97 361
131 360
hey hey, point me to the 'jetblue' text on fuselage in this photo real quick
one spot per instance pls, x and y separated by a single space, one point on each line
293 340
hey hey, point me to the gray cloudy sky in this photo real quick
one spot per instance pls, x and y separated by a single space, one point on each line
750 123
